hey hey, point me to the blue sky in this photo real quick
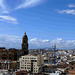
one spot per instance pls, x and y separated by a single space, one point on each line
46 22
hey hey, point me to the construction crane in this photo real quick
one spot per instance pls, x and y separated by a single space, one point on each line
54 50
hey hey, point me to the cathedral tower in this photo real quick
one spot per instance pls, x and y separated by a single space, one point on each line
25 45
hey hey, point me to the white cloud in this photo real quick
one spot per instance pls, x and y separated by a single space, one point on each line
10 41
60 43
15 42
8 19
29 3
68 11
2 4
36 43
71 5
3 8
63 44
5 12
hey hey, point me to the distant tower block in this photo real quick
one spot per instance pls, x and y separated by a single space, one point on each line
25 44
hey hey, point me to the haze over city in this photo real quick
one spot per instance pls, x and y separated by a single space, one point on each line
46 22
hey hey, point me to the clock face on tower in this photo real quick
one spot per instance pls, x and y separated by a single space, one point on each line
25 45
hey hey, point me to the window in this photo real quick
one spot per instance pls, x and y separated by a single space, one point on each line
25 67
33 60
22 67
28 67
22 60
36 70
22 63
72 68
72 64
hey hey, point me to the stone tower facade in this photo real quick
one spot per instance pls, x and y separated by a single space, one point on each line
25 45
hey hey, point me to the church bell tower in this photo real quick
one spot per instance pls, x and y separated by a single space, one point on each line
25 44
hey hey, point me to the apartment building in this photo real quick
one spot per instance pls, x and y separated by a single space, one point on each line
31 63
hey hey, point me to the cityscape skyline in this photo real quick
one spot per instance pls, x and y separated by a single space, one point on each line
46 23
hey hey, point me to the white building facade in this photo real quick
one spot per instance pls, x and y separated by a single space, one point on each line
31 63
